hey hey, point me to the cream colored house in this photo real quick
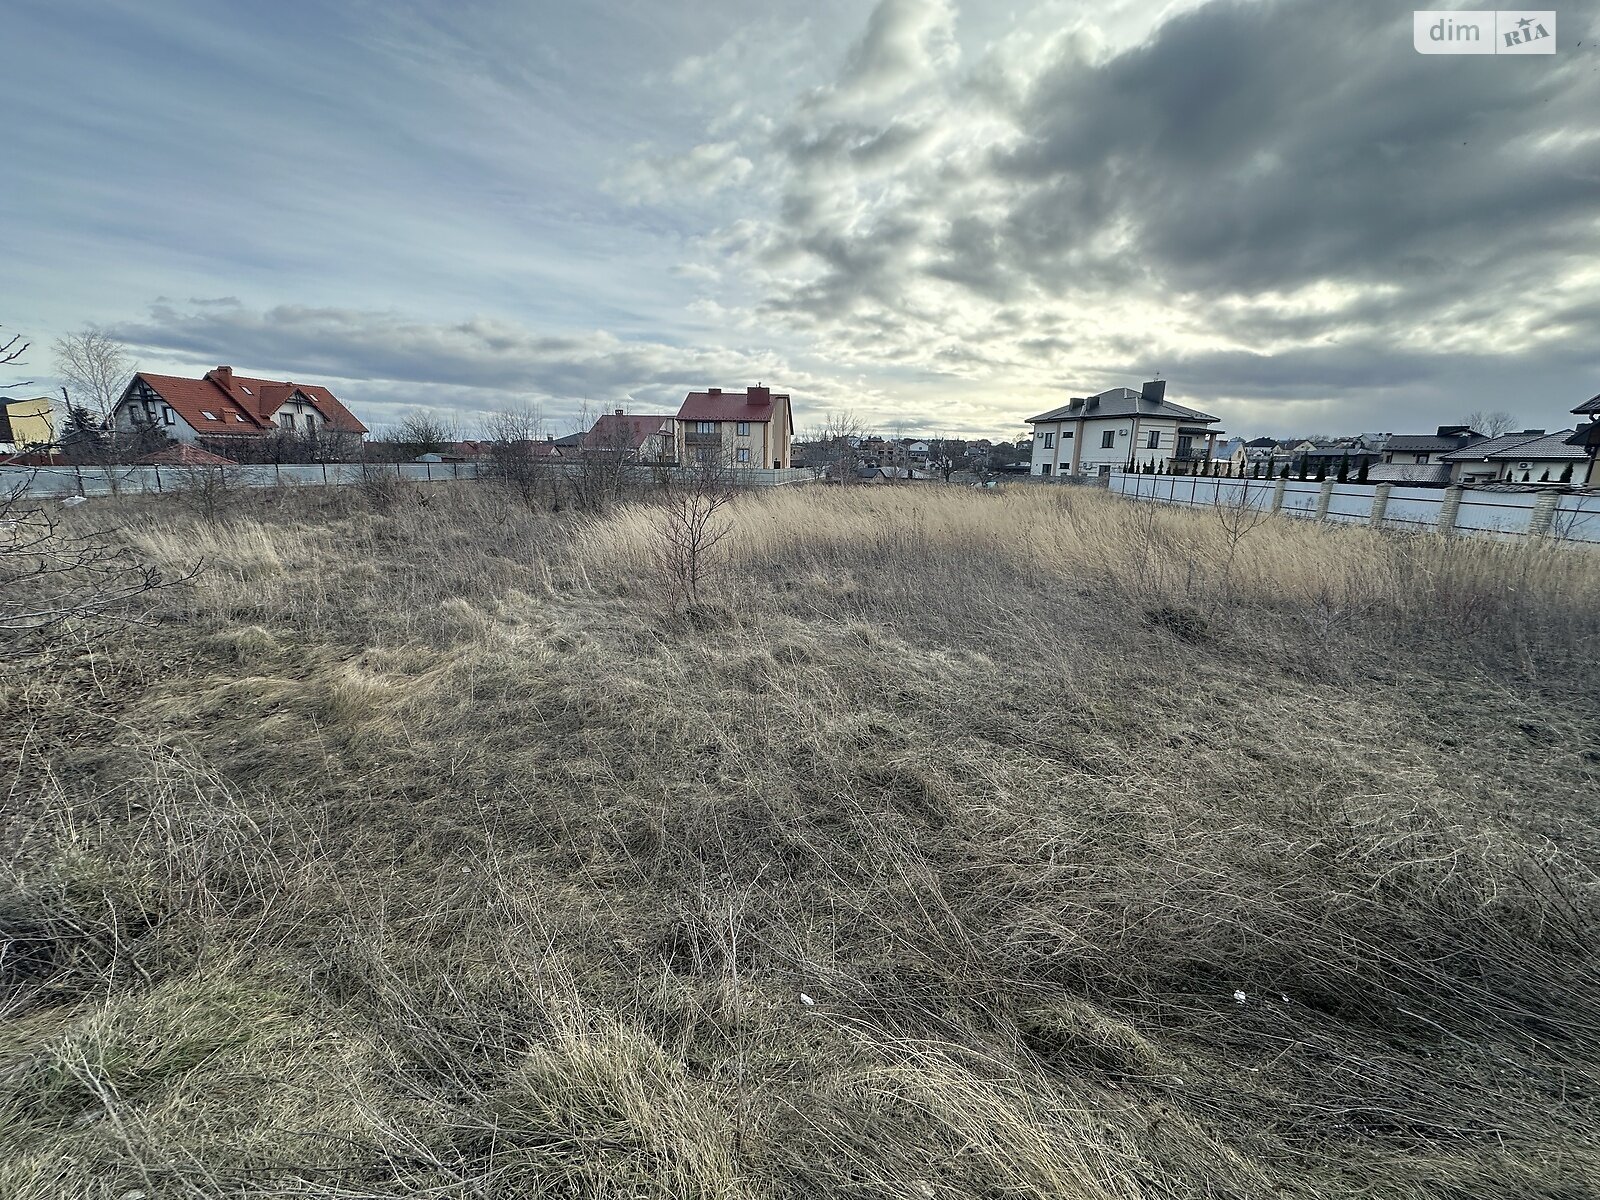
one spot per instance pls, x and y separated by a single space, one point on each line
747 429
26 425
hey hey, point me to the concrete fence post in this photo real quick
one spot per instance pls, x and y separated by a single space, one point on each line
1543 514
1450 508
1277 493
1324 499
1380 505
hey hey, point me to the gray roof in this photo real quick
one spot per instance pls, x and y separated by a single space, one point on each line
1335 452
1408 473
1589 406
1121 402
1520 445
1427 443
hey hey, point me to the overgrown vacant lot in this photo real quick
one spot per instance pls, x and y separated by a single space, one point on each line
429 849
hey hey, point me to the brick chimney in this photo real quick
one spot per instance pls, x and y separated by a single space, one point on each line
224 376
713 391
620 412
759 394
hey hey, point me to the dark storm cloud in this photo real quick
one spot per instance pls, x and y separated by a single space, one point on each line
1270 145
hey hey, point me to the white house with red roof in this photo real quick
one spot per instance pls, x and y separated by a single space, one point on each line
631 435
752 428
221 404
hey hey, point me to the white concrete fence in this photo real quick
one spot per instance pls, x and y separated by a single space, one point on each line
1568 516
48 482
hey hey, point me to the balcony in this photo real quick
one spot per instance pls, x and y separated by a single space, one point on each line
694 438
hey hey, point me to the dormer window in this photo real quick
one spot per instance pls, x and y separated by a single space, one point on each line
246 390
210 416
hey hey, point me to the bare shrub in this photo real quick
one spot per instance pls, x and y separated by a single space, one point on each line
57 576
693 528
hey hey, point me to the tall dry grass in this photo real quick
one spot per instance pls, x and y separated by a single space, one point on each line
433 850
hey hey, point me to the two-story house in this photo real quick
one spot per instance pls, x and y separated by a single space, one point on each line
752 428
221 404
650 439
1095 435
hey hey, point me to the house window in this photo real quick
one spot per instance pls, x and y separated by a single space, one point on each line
705 426
288 420
1153 442
1045 470
1049 440
166 415
744 455
1422 458
1108 439
1067 436
239 417
744 429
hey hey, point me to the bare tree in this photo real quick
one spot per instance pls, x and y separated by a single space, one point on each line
602 464
519 455
421 432
694 527
1491 424
947 455
11 351
53 578
839 436
96 367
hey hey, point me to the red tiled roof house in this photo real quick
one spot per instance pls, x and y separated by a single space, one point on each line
221 404
752 428
644 438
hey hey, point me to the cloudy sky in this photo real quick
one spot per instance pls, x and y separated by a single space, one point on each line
947 216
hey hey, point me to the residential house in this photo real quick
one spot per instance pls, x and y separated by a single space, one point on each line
221 405
752 428
1422 448
1587 438
650 439
1327 459
1095 435
26 425
1418 458
1532 456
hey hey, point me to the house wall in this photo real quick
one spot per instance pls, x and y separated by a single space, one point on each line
1087 436
162 415
300 410
32 422
1479 472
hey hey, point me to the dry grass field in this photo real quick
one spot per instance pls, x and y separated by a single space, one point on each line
1014 845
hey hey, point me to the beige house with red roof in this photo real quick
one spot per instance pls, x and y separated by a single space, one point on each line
752 428
221 404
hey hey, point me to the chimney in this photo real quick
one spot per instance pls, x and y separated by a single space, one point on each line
713 391
1154 391
759 394
620 412
224 376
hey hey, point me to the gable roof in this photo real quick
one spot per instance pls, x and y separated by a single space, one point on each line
1530 444
626 431
1121 402
755 404
1589 406
1428 443
241 404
